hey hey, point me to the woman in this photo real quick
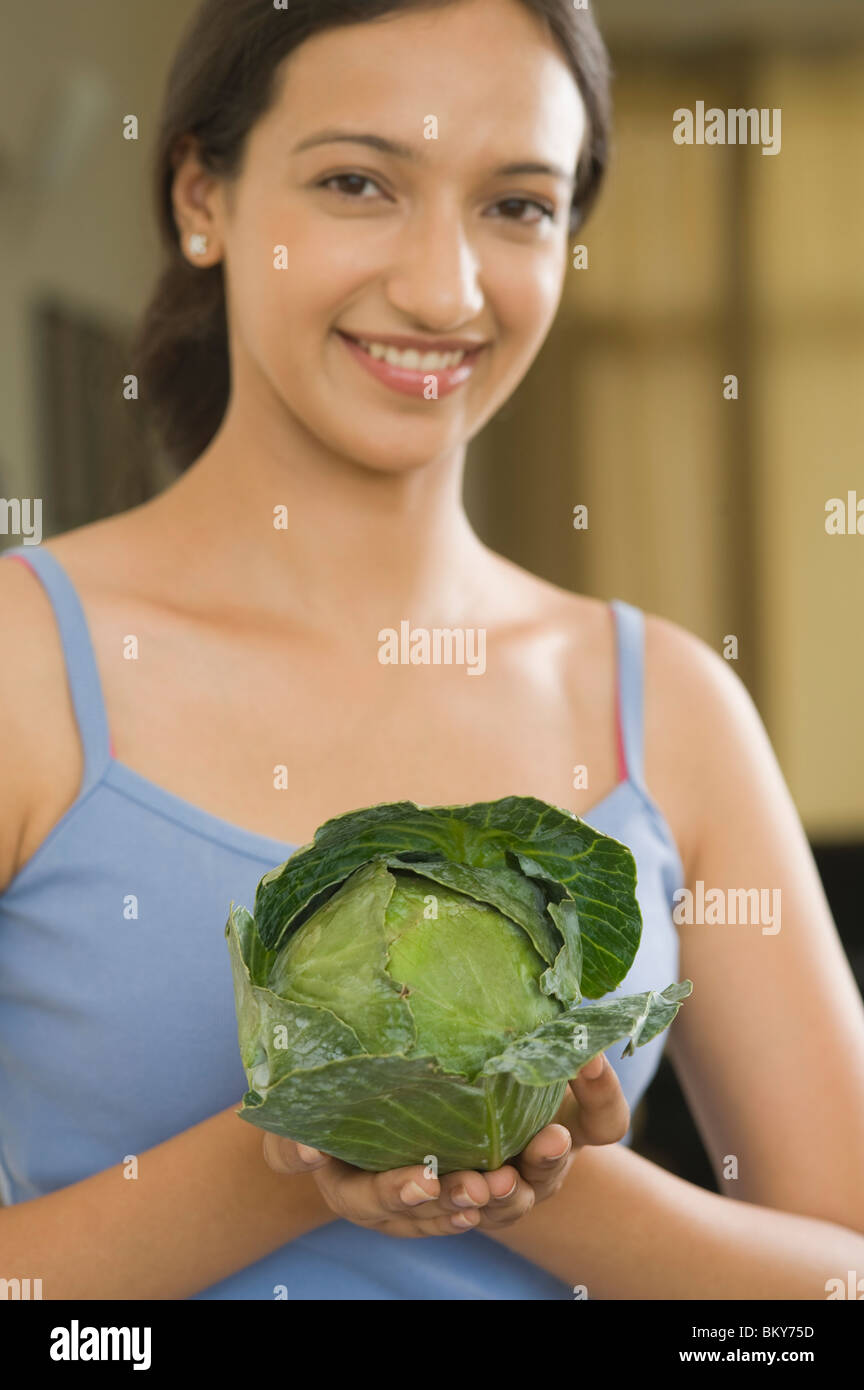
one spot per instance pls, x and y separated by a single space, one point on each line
340 192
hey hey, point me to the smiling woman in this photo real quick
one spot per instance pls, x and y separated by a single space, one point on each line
518 146
366 235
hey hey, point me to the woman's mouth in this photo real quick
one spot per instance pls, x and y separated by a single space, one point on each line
413 371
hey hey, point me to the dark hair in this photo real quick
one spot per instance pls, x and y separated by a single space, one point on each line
222 81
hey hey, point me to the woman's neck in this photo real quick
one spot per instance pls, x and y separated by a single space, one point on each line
302 534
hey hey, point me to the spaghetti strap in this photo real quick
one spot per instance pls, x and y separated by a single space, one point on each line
82 673
630 647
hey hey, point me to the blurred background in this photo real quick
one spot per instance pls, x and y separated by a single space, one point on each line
702 262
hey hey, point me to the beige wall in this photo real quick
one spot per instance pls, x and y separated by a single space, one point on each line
809 284
90 237
704 261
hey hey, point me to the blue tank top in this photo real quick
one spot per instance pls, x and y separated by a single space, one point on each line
116 1034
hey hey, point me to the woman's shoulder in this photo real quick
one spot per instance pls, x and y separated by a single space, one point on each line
695 708
101 553
674 657
518 598
700 719
40 750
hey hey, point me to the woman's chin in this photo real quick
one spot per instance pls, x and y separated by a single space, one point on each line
411 446
402 463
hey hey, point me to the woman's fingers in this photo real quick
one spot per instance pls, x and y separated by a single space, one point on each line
405 1200
545 1162
357 1195
366 1197
512 1197
594 1112
287 1156
602 1115
546 1159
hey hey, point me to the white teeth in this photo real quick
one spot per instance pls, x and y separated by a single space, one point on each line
411 359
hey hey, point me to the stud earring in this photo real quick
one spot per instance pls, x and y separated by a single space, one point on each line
198 244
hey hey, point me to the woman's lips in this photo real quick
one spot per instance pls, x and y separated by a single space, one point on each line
412 381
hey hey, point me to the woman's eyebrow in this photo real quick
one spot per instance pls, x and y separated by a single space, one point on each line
378 142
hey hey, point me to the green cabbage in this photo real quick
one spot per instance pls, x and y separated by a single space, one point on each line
411 984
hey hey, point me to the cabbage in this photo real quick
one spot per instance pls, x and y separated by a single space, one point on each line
411 984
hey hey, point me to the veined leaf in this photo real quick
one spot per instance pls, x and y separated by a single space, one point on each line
561 1047
597 872
362 1108
338 960
424 981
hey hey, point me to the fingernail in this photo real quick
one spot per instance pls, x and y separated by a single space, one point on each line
308 1155
412 1195
462 1197
462 1222
556 1158
505 1195
593 1068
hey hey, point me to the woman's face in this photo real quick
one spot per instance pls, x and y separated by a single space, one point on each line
412 229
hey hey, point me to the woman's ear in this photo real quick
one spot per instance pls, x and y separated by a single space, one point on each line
195 198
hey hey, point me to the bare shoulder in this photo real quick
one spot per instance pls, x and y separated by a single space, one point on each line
100 551
580 631
33 659
528 603
35 717
40 751
702 722
698 689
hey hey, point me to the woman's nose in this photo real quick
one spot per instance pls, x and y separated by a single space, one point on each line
435 280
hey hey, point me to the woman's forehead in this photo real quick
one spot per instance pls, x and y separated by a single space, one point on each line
391 76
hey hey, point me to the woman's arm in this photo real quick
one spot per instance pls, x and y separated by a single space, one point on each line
623 1227
214 1199
203 1206
769 1047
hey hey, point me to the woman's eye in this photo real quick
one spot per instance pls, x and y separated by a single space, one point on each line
354 180
352 185
520 204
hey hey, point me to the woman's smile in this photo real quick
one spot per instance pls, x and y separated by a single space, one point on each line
416 230
405 365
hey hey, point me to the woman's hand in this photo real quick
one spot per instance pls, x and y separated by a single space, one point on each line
593 1112
405 1202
